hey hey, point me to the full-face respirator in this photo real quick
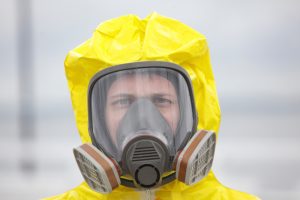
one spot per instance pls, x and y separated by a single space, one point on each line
142 122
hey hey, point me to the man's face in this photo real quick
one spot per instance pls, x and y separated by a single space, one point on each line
129 88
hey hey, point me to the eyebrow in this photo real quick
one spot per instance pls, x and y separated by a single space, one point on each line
162 95
120 95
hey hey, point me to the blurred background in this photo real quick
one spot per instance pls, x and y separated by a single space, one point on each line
255 53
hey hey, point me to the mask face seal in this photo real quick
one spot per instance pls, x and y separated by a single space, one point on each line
141 116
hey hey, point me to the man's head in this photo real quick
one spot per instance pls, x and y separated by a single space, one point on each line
133 98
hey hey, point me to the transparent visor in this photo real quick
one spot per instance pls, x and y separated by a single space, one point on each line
141 101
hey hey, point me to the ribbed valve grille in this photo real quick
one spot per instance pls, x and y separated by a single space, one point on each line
145 153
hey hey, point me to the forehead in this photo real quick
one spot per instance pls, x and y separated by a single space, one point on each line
142 83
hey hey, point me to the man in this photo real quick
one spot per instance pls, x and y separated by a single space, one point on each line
143 93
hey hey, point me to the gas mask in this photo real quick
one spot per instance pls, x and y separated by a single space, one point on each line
142 122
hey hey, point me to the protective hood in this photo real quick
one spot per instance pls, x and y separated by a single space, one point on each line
129 39
156 38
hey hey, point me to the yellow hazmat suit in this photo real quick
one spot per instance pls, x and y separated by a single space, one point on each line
130 39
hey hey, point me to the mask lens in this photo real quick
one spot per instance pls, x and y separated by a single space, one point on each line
152 101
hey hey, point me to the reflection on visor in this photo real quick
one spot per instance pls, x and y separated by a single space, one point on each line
154 101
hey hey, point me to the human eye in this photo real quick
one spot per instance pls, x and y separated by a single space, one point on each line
161 101
122 102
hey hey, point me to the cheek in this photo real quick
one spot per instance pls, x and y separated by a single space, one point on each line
172 117
113 119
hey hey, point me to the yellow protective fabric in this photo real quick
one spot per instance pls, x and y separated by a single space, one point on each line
130 39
